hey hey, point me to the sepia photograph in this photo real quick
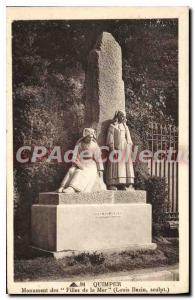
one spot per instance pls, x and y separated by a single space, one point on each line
98 144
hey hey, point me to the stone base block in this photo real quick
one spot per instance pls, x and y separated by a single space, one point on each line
129 196
91 227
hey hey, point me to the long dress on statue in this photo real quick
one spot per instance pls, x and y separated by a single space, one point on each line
83 175
119 172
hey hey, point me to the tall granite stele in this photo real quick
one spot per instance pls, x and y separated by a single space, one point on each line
107 220
104 85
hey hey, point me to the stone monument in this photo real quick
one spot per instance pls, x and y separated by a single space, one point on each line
102 220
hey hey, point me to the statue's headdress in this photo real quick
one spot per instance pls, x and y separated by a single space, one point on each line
117 113
86 132
89 131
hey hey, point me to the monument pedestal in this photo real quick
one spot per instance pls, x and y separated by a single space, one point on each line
99 221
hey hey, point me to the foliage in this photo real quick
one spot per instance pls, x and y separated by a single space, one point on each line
156 188
94 258
157 194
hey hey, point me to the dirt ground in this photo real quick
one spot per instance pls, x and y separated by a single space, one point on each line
29 267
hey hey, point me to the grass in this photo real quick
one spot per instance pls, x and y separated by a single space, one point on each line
29 267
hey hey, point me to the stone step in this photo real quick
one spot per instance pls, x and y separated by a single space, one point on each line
68 253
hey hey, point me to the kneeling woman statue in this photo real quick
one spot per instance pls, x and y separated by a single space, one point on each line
86 172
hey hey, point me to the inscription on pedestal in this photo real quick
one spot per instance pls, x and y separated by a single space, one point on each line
109 214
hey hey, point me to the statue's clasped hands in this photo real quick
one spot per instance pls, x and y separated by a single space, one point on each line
100 174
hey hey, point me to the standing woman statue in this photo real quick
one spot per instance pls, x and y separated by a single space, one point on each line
86 173
120 173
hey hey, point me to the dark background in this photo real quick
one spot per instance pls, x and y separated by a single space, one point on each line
49 66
